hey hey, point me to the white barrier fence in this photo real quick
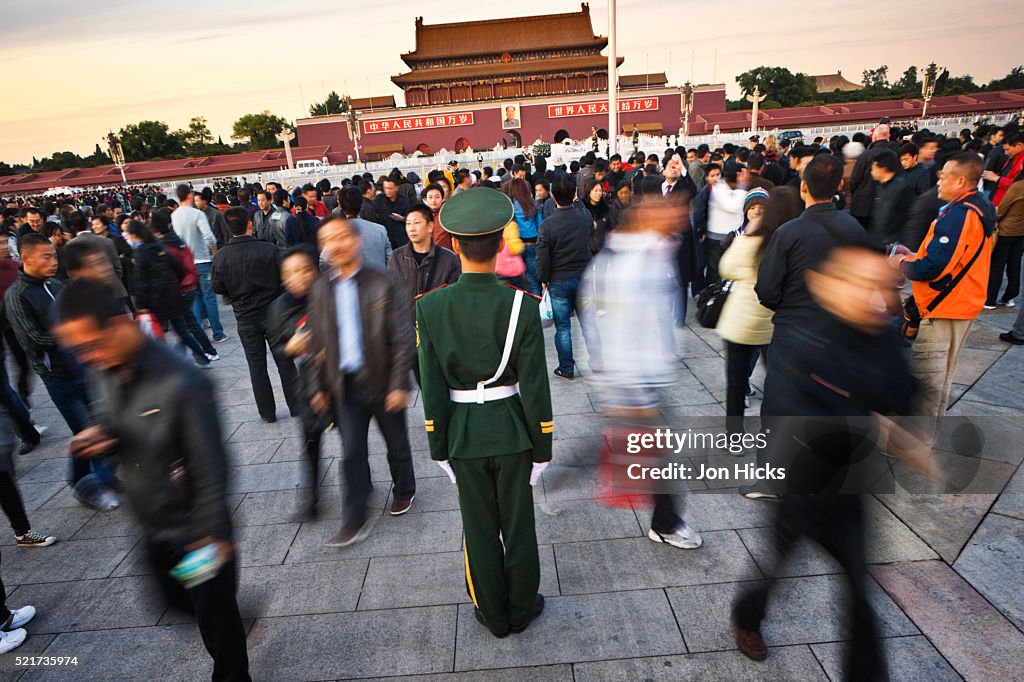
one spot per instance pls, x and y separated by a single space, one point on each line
564 152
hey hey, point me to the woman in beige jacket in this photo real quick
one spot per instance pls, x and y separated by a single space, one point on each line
745 325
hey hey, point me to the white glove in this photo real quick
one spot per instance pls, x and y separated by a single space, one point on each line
536 471
446 465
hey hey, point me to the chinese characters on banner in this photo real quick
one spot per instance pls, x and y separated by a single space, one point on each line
587 108
390 125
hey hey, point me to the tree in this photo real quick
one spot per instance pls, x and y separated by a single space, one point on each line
908 82
97 158
334 104
150 140
260 129
196 136
779 83
876 79
1011 81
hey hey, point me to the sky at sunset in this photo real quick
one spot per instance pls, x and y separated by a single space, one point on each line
75 69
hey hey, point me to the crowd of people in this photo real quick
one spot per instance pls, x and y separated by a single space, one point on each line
359 289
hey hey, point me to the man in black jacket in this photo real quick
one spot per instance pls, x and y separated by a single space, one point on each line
390 209
158 415
862 187
362 331
246 271
563 251
893 198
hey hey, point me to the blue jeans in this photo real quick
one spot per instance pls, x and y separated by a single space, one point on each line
206 302
70 397
563 303
530 276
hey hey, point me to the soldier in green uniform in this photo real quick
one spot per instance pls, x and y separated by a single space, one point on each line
487 408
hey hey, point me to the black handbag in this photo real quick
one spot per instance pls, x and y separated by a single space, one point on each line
710 302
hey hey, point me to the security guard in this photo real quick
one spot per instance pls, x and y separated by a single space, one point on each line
487 408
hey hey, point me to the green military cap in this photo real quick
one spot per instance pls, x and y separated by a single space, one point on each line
476 212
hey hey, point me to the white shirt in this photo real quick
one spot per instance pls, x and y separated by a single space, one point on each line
725 209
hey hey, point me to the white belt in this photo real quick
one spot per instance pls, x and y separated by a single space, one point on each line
483 395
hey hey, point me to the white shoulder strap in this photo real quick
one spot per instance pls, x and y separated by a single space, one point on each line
507 352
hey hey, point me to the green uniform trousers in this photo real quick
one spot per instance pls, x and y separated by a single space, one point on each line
496 502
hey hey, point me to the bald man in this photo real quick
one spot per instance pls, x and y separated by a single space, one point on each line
863 188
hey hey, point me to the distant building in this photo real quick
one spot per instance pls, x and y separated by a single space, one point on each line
831 82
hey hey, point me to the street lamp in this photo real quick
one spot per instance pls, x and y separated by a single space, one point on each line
116 153
928 81
353 126
687 108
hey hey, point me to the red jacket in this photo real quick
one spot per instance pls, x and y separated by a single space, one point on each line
1009 172
181 253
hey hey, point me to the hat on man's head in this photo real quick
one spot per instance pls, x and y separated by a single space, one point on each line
756 196
476 212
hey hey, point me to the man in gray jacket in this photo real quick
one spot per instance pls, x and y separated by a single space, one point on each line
376 246
269 221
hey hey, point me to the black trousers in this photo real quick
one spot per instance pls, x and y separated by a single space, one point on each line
216 610
253 335
5 612
10 500
836 522
712 254
740 361
353 421
1006 255
9 340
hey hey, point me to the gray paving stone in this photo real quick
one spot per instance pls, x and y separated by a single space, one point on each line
1011 500
791 663
800 611
721 511
33 645
92 604
581 520
583 451
112 524
43 471
432 494
35 495
256 429
548 673
1001 384
576 628
390 536
908 659
375 643
945 522
972 363
807 558
253 452
993 563
297 589
432 580
889 539
261 477
638 563
71 560
293 448
265 545
569 404
283 506
172 653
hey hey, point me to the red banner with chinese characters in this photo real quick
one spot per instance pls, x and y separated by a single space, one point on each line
390 125
588 108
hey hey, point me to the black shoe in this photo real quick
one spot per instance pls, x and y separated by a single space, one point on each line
1008 337
564 375
538 608
269 420
480 619
27 446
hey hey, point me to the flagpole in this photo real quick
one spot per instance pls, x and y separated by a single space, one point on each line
613 82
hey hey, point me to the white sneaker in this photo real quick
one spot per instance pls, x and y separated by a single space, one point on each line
41 430
1010 304
684 537
21 616
105 500
989 307
11 640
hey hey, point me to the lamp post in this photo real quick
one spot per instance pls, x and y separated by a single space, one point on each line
687 108
756 97
116 153
287 136
928 82
613 82
353 126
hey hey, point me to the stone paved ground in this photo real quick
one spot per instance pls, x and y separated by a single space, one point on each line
947 571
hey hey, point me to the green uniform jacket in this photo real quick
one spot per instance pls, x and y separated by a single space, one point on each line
460 336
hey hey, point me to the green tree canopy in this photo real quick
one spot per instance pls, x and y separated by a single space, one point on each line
196 136
260 129
1011 81
150 140
334 104
876 79
779 83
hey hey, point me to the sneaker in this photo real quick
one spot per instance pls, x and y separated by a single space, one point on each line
683 537
34 539
11 640
751 493
105 500
206 324
19 617
349 535
221 339
1008 337
746 400
213 357
989 307
1010 304
564 375
399 507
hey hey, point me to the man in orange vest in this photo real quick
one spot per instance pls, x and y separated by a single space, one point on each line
958 240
